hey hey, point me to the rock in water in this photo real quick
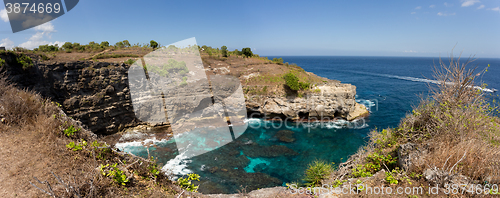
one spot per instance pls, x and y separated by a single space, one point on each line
285 136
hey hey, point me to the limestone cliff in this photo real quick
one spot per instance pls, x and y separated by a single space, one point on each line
333 100
98 93
95 93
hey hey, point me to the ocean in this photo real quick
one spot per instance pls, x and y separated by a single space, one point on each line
389 86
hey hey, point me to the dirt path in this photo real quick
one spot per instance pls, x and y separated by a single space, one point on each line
27 152
14 158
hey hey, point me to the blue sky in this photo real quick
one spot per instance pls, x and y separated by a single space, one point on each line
352 28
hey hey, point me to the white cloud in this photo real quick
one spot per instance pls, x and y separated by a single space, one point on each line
4 16
467 3
432 6
495 9
445 14
409 51
447 4
413 12
480 7
46 27
44 32
418 7
7 43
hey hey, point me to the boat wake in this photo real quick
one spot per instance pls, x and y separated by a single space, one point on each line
491 90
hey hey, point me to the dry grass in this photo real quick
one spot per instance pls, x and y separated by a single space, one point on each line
34 156
458 123
456 127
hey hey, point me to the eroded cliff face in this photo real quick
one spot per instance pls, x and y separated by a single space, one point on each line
98 94
332 100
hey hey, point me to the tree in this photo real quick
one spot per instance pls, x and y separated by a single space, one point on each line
104 44
247 52
224 51
126 43
67 46
120 44
153 44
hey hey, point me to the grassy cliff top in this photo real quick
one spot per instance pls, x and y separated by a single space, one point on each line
258 75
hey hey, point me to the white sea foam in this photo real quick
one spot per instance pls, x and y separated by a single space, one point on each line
252 120
129 146
177 166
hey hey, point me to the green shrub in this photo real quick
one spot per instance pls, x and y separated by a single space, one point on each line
337 183
70 130
224 51
304 86
126 43
186 182
376 162
76 147
318 170
153 44
385 139
247 52
115 173
361 171
2 62
278 60
101 149
129 61
104 44
390 178
44 57
119 44
292 81
67 46
47 48
25 61
236 52
153 168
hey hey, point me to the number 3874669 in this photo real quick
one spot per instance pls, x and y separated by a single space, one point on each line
33 7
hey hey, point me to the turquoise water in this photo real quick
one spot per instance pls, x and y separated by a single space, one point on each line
258 158
271 156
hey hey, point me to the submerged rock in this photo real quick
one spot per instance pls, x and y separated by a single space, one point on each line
285 136
256 150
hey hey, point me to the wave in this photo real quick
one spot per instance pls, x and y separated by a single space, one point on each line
177 166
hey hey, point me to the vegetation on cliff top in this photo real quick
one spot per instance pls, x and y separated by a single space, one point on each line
259 75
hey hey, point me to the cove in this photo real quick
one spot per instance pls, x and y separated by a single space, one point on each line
267 154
